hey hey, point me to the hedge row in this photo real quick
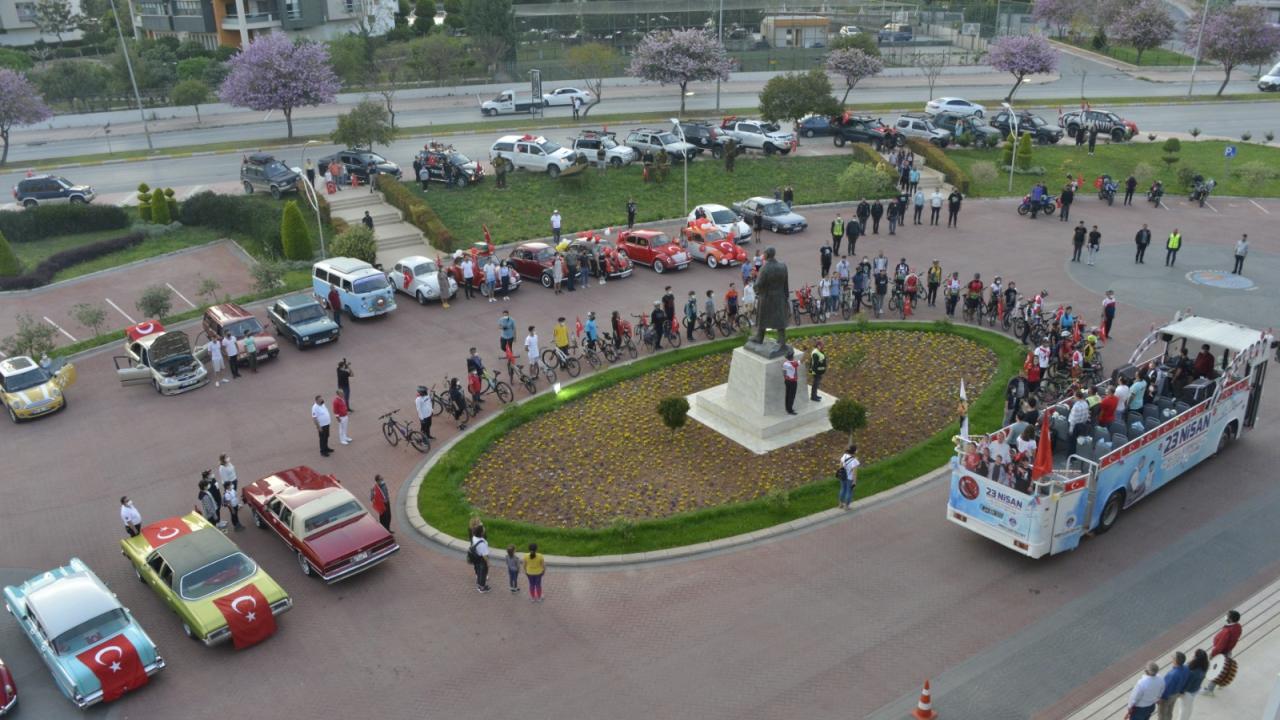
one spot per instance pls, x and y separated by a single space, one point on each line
419 214
256 217
50 266
862 152
45 221
935 158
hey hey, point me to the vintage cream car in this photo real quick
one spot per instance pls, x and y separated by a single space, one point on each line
160 358
29 390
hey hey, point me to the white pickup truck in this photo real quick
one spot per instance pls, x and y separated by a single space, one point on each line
511 101
758 135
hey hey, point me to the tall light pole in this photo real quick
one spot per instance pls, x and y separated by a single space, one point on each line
1013 123
1195 63
312 198
720 37
132 80
676 123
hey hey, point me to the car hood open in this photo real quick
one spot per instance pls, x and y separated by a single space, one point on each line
171 344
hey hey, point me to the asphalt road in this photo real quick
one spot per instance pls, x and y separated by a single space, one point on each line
844 620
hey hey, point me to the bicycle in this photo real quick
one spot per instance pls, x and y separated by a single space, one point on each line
991 312
529 382
440 403
393 431
972 309
553 357
646 332
624 341
592 354
730 325
707 324
493 385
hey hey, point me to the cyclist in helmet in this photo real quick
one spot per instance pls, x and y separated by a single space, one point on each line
973 296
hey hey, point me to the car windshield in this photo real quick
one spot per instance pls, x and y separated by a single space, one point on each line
608 143
459 159
375 157
216 576
29 379
723 217
544 255
426 268
307 313
276 168
659 240
711 233
91 632
1114 118
370 283
776 208
331 516
1037 121
245 327
65 182
668 139
769 127
548 147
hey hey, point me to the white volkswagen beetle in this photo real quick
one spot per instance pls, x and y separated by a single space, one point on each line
418 277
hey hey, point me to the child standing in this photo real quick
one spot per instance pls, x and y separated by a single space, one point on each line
534 569
513 568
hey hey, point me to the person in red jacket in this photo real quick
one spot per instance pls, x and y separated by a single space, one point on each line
1107 408
1224 643
380 498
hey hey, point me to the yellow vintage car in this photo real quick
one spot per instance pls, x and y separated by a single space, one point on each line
29 390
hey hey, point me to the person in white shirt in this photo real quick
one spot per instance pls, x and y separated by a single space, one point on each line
1122 398
555 227
842 269
227 472
531 349
422 403
1027 442
320 416
491 281
1242 250
1078 418
935 206
468 275
231 499
1145 695
1042 358
231 349
849 481
748 299
130 516
214 348
480 551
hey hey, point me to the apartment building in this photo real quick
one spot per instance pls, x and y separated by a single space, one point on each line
235 22
18 26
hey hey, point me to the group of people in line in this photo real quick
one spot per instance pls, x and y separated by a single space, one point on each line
1184 681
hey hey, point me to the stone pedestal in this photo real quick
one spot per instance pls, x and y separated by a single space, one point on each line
750 409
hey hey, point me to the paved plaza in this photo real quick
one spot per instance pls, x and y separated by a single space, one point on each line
844 620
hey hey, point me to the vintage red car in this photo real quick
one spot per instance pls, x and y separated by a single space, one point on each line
602 258
653 248
482 255
705 241
218 320
331 532
8 690
533 260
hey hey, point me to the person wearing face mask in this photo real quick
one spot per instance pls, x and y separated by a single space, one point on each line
130 516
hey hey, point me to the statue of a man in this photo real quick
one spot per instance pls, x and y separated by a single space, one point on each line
773 296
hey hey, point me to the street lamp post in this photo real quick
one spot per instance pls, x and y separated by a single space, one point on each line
676 123
720 37
312 197
132 80
1013 123
1195 62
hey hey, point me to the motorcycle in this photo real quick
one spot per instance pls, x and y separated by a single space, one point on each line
1200 189
1155 193
1107 189
1047 205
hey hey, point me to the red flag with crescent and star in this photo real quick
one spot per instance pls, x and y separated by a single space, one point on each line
488 241
116 665
248 616
1044 453
162 531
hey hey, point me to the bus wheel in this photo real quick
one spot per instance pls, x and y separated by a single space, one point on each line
1110 513
1224 440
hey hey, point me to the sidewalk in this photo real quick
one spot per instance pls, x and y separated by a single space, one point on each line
1257 685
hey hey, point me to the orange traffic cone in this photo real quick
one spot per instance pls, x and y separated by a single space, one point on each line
924 710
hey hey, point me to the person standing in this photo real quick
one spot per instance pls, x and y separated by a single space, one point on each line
631 213
893 216
1242 249
877 211
320 416
1196 670
658 323
555 227
311 172
344 382
1224 643
513 569
504 280
847 474
422 404
1175 684
837 234
531 350
1077 420
691 315
1172 247
499 172
214 349
371 174
335 304
468 276
380 498
1095 243
1108 311
824 260
251 352
817 368
130 516
227 472
206 504
935 206
231 349
478 554
1145 694
919 206
863 213
1017 389
577 106
790 377
953 208
1142 239
1077 241
557 271
933 278
571 270
534 568
789 196
367 220
1093 138
853 230
506 331
1067 197
491 280
341 413
231 500
913 179
1130 184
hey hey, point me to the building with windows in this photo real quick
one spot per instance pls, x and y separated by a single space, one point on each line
235 22
18 24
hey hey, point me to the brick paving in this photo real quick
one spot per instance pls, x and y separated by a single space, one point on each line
834 622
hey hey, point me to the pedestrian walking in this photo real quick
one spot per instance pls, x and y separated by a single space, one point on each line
847 474
534 568
1095 243
231 501
1067 197
513 569
817 368
1130 184
789 196
231 349
935 206
1224 643
380 498
919 206
1242 249
953 208
1142 239
1108 312
790 379
1093 138
367 220
555 227
335 304
1175 684
422 404
341 412
631 213
837 234
1145 694
130 516
1196 670
311 172
1078 237
214 350
345 373
478 556
877 211
320 416
1172 246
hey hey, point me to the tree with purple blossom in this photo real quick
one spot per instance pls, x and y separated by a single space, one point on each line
1235 35
678 57
1144 25
273 73
1058 13
20 104
853 65
1022 55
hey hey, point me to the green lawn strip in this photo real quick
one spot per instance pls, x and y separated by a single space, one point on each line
1151 58
32 253
592 200
152 246
443 505
1204 156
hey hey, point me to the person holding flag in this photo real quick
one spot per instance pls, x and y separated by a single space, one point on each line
1108 315
380 498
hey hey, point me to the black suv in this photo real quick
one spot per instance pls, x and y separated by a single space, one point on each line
449 165
706 136
864 129
357 162
42 189
1107 123
958 125
261 171
1028 122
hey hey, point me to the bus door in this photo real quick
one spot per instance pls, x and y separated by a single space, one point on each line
1255 394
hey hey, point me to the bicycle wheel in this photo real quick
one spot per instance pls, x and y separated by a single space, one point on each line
895 302
674 339
846 310
550 374
551 358
610 353
902 310
1019 328
1006 320
592 358
572 366
418 441
391 433
631 349
530 385
993 314
503 391
709 329
437 405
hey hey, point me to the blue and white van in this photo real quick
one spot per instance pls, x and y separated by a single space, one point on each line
362 289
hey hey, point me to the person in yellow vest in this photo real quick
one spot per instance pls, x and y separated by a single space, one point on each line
1172 248
837 232
817 368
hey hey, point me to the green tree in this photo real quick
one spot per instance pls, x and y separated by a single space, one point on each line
32 338
295 241
865 180
492 27
9 265
847 416
350 59
356 241
208 289
364 125
436 57
56 17
674 411
268 276
144 202
424 17
1024 152
190 92
862 41
156 302
1007 154
159 208
92 317
794 95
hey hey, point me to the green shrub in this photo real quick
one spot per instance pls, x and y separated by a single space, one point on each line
1256 172
674 411
357 242
1144 173
1006 155
863 153
863 180
9 265
778 500
1172 145
268 276
1024 152
159 208
255 217
847 416
1187 175
45 221
32 338
43 273
937 159
172 202
294 239
156 302
984 172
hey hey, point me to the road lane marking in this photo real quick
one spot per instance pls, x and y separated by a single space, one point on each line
1255 204
1166 207
58 327
1211 207
184 297
125 314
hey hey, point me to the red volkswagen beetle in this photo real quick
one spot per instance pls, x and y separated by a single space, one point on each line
653 248
705 241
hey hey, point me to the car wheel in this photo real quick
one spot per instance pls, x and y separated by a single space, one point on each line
839 141
769 149
547 282
785 151
489 113
553 171
1224 440
978 114
304 566
78 200
248 188
297 340
808 132
658 267
1110 513
1117 135
717 152
422 299
156 384
616 162
712 262
13 416
774 226
186 630
1042 140
275 192
460 181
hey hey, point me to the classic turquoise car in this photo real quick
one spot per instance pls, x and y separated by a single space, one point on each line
91 643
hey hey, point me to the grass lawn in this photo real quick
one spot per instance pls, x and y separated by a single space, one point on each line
442 502
150 247
593 201
1120 159
1153 57
32 253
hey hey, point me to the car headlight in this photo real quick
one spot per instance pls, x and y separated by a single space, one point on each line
55 392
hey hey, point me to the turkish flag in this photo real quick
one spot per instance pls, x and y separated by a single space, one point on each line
378 499
487 240
1044 453
1075 333
116 665
511 359
248 615
160 532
